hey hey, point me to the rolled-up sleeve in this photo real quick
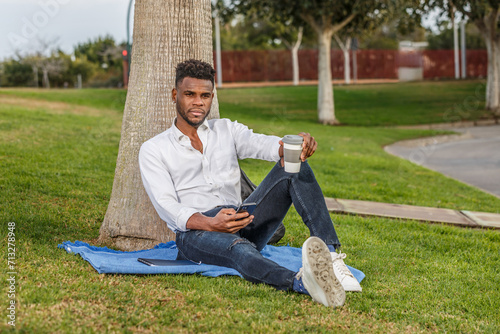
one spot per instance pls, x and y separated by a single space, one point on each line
160 188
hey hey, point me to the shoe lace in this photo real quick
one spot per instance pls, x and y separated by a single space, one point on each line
338 262
298 284
300 273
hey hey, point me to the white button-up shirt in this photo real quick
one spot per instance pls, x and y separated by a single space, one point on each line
182 181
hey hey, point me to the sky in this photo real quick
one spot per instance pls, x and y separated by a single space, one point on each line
69 22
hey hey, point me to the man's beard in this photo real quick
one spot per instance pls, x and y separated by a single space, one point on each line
184 117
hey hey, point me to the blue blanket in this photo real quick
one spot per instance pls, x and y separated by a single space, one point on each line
108 261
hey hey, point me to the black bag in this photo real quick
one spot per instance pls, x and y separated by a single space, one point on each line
247 187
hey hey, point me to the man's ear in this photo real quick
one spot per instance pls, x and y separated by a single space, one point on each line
174 94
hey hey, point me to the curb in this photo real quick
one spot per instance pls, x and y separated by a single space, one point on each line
412 212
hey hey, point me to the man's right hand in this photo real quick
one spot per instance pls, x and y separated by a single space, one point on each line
226 221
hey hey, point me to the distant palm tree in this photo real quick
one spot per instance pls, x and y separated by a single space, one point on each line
166 32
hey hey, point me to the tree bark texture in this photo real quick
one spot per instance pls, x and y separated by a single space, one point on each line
166 32
347 68
493 81
295 57
295 66
347 59
35 75
294 49
326 109
487 25
325 29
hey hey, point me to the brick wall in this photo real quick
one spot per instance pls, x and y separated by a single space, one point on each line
276 65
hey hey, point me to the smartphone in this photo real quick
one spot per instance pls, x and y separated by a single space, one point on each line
246 207
163 263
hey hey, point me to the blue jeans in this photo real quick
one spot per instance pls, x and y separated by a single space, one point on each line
241 250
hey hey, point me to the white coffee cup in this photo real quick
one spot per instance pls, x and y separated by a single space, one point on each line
292 149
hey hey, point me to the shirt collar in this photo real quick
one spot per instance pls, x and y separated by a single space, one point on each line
181 136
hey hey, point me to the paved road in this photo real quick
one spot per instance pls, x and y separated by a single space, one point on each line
473 157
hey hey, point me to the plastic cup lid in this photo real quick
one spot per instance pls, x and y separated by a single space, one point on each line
293 139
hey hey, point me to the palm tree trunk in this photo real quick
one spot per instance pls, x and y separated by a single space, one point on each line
166 32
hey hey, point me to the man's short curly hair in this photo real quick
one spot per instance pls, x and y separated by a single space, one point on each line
193 68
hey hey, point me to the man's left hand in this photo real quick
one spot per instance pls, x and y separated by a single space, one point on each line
309 146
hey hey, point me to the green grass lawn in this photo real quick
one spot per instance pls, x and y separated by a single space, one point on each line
57 156
366 105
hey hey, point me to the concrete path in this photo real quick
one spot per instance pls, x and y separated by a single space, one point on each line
420 213
472 157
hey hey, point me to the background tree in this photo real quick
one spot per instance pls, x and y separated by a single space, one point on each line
382 38
166 32
33 60
281 34
358 26
345 45
381 29
285 32
443 38
293 44
252 25
326 18
80 66
247 33
484 14
51 66
15 73
388 35
37 58
105 54
95 50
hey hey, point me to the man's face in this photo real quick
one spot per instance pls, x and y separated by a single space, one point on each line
193 98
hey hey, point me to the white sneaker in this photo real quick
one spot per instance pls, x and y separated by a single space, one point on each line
318 276
344 275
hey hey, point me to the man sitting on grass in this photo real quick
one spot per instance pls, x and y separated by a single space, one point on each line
192 177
